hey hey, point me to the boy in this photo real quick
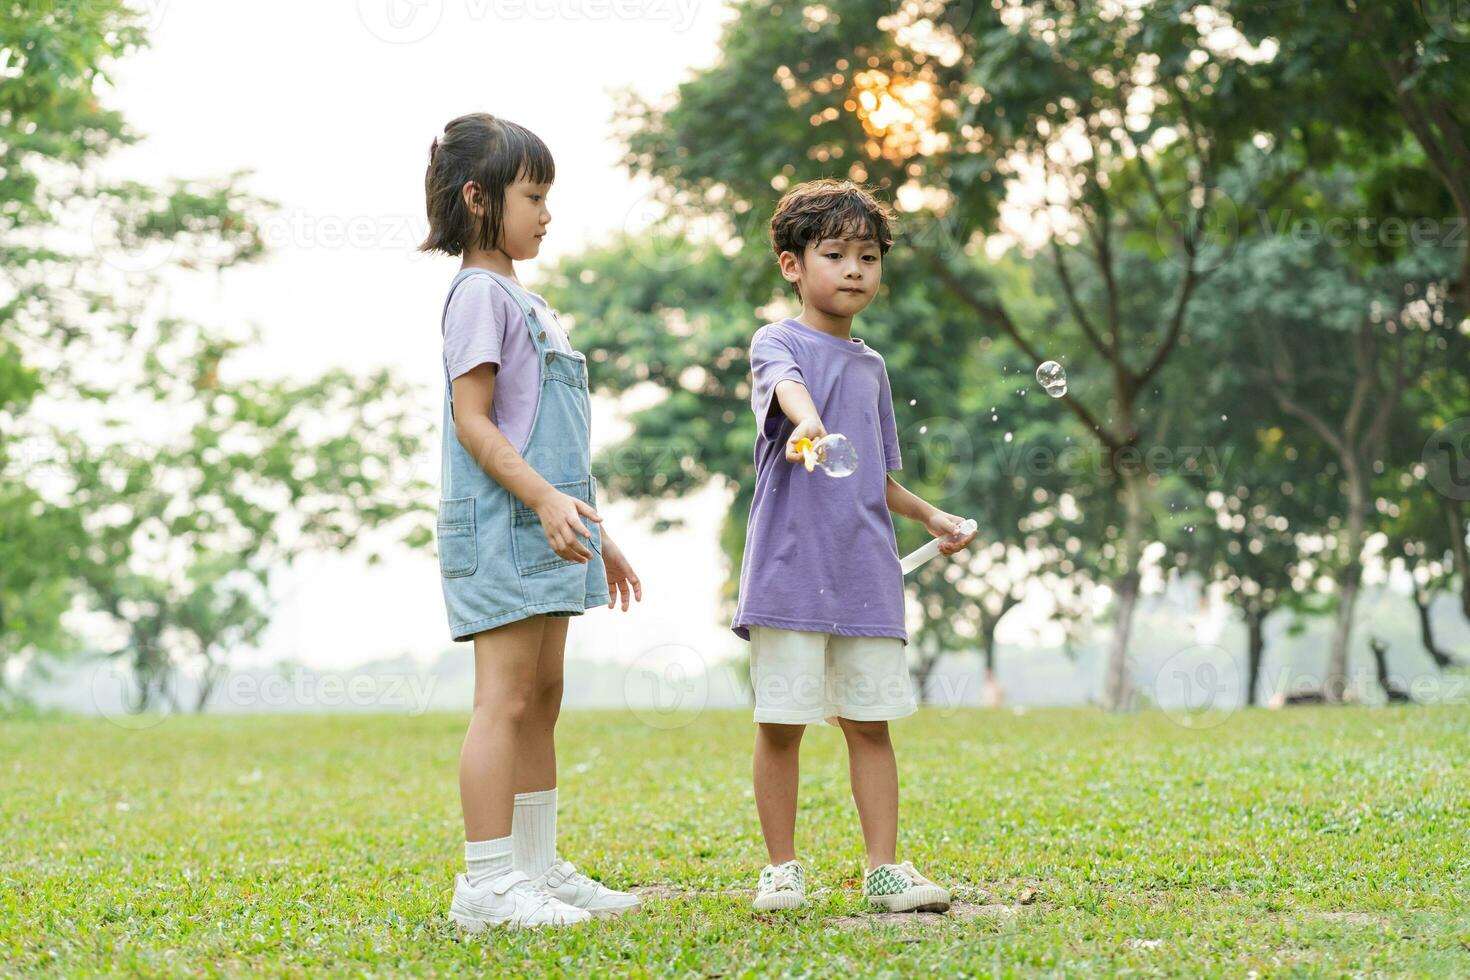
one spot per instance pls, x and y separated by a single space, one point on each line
821 592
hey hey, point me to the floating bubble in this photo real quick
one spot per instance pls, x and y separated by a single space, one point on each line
834 453
1052 378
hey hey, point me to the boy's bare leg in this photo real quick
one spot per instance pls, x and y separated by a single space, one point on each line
874 773
506 660
777 750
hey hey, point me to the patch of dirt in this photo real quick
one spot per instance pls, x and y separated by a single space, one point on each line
670 893
1350 918
958 912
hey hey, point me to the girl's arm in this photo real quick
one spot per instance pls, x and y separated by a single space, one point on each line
560 513
905 503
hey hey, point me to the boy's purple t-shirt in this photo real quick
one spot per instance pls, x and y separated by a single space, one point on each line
820 552
483 325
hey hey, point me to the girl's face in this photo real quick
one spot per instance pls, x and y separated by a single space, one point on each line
523 220
838 276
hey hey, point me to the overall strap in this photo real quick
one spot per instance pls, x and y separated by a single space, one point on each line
517 294
523 301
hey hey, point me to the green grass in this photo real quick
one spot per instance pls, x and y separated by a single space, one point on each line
1306 842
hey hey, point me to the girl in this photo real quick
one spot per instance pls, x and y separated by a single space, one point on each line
515 557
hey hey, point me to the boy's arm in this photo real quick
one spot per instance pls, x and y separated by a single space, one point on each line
797 403
905 503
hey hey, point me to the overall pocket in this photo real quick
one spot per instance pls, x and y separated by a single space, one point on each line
459 550
528 539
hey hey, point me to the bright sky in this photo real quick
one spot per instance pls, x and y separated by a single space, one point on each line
333 106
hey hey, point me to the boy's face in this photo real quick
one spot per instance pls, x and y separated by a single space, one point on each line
838 276
524 218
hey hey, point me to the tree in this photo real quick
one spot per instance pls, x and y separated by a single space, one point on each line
1337 339
166 493
1352 82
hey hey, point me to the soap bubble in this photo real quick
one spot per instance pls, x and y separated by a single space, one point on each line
1052 378
836 455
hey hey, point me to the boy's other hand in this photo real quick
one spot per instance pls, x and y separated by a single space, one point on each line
622 582
809 428
561 519
943 526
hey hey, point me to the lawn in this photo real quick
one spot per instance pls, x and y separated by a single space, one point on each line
1313 841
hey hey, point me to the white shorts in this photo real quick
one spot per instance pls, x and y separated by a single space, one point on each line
801 678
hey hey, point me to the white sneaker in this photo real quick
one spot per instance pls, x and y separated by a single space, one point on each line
571 886
899 888
782 886
508 900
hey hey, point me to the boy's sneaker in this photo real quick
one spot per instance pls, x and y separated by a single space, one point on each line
899 888
782 886
509 900
571 886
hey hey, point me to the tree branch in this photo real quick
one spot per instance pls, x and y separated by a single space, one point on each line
997 314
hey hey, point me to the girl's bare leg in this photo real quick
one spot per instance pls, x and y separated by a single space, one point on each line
535 760
777 754
506 663
874 773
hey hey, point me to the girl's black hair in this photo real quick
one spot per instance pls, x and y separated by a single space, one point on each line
492 153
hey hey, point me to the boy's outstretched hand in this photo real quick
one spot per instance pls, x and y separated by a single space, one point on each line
942 525
808 428
622 581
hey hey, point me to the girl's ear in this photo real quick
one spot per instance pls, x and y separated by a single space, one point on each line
473 199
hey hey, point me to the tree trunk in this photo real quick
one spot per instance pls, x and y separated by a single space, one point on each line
921 671
1455 514
1334 684
1117 685
1256 646
992 695
208 681
1422 602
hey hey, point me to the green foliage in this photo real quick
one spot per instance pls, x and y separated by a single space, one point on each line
175 486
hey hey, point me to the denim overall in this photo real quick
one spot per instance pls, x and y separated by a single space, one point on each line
494 561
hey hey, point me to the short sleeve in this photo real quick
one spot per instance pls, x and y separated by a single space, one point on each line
474 325
892 458
771 362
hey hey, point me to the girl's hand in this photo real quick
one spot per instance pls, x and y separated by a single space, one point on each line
808 428
622 581
944 526
561 518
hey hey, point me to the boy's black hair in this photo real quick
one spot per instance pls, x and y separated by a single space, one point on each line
829 208
491 152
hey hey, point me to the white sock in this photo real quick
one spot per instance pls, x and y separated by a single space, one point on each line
485 859
533 831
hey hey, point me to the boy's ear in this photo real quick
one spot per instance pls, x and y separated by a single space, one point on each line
791 267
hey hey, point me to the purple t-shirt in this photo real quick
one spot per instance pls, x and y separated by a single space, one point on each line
483 325
820 551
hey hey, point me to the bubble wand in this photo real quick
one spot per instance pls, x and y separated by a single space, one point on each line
927 551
